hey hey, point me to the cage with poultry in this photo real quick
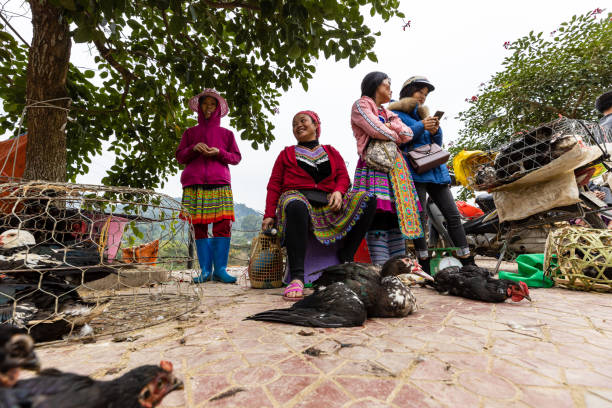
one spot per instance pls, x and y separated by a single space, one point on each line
527 152
580 258
82 260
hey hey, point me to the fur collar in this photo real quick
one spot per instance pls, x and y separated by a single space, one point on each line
407 105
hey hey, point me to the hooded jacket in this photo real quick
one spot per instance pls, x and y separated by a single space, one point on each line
411 114
366 125
200 169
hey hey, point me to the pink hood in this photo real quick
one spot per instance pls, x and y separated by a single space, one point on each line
207 170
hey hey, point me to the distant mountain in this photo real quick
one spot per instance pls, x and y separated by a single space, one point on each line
241 210
245 228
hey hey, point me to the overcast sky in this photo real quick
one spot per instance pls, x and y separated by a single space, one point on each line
457 45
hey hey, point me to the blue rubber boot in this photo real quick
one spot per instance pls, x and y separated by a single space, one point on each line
205 258
220 249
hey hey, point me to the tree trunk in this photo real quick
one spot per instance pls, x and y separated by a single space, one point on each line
46 81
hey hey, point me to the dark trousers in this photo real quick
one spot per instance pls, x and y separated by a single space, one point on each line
443 198
222 228
296 235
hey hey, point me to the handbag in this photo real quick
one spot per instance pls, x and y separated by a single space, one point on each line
380 155
427 157
316 198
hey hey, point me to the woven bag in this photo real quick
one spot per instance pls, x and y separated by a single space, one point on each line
380 155
266 262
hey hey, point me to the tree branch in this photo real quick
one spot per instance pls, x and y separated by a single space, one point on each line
126 90
546 108
230 5
165 20
203 51
13 29
106 53
578 102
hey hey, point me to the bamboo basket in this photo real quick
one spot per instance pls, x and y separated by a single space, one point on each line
583 258
266 262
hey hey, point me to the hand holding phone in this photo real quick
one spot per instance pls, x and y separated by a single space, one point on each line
438 115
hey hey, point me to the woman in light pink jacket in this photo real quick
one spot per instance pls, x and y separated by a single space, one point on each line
397 216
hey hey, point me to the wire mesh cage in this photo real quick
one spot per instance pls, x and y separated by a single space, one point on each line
580 258
266 262
90 260
529 151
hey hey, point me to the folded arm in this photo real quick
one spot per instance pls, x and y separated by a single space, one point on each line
363 117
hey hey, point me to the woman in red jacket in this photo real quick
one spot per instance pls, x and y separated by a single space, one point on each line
308 192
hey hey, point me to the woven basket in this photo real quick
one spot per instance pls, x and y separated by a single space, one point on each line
583 257
266 262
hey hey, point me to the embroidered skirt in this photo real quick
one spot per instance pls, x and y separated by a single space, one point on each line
394 190
327 226
377 183
207 205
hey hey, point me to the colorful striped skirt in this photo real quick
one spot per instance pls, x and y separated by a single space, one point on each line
377 183
207 204
327 226
395 193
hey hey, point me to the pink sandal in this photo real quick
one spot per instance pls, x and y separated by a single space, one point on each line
294 287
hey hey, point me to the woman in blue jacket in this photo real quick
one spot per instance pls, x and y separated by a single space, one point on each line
435 182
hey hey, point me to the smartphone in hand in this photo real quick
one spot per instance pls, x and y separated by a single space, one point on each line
438 114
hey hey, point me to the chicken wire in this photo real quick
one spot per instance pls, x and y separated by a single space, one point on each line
82 260
529 151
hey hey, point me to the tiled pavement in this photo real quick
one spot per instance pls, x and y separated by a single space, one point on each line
554 352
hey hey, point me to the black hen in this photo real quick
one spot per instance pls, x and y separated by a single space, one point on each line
19 252
144 386
376 293
346 294
333 306
36 307
16 353
476 283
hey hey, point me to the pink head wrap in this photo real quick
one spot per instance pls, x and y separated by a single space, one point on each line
315 118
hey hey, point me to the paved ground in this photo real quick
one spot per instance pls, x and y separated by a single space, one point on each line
553 352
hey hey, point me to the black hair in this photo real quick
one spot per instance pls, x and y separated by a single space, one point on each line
201 99
410 89
370 83
604 102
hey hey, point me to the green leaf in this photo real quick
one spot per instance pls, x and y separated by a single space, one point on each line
89 73
177 23
294 51
83 34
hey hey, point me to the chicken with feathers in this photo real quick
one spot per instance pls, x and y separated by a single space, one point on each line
346 294
39 305
141 387
16 353
20 252
473 282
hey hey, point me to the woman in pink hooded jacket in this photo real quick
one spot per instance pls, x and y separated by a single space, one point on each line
206 150
397 209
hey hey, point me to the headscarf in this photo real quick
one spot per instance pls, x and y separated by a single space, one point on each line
315 118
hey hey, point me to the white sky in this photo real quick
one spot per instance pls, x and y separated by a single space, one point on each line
457 45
